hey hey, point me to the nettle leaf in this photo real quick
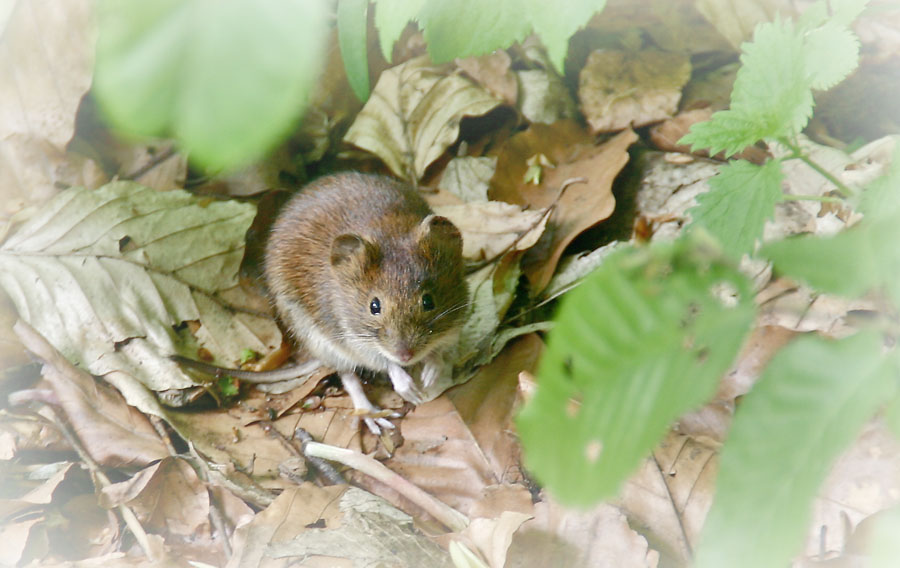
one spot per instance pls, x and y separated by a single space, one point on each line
471 27
352 20
808 406
229 79
414 114
728 131
391 18
741 199
557 22
860 259
643 339
108 275
831 53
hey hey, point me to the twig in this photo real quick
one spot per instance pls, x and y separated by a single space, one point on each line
325 469
451 518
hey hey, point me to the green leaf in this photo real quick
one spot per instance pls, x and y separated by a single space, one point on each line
108 275
844 12
832 52
471 27
860 259
740 200
352 22
228 79
391 18
642 340
810 403
772 84
728 130
557 22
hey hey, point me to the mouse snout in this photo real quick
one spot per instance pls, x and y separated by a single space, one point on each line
404 353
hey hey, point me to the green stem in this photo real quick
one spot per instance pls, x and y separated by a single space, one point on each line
822 198
797 153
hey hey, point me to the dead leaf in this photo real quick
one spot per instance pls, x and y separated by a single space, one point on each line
618 89
491 228
47 59
414 113
110 430
545 97
494 536
581 205
737 20
492 72
468 178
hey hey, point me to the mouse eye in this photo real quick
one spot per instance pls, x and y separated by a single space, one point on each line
375 306
427 302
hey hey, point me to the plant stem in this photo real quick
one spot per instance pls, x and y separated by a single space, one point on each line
797 153
822 198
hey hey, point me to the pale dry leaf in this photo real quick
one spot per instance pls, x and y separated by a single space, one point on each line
46 57
736 19
370 532
491 228
164 256
493 536
414 114
670 495
600 536
863 481
571 270
468 177
492 72
618 89
545 98
112 432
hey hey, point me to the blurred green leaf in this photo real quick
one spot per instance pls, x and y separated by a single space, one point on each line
471 27
228 79
557 22
808 406
391 18
352 23
641 341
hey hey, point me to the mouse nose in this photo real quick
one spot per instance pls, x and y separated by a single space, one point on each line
405 354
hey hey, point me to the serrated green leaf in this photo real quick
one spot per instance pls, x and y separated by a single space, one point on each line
860 259
391 17
414 113
810 403
741 199
641 341
471 27
772 84
352 16
557 22
106 275
831 53
228 79
844 12
727 130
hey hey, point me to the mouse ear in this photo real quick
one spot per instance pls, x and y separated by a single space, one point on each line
352 248
439 226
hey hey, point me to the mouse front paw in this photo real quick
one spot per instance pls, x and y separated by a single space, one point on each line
404 385
363 406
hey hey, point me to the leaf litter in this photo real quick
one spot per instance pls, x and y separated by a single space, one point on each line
525 200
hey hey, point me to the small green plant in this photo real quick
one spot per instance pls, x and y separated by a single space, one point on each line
667 320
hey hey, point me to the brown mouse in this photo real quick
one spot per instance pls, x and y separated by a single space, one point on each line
366 276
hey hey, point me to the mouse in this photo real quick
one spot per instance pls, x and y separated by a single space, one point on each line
366 277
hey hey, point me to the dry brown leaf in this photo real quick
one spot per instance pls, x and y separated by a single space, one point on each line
492 72
167 498
110 430
581 205
670 495
494 536
618 89
554 141
579 539
491 228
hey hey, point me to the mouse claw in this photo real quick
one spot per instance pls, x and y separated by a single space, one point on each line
376 424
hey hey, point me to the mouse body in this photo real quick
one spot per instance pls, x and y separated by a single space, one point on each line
366 276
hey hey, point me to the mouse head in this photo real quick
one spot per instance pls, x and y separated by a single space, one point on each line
407 293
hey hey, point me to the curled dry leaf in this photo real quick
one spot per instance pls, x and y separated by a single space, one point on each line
107 275
581 205
492 72
414 113
112 432
620 88
468 177
490 228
